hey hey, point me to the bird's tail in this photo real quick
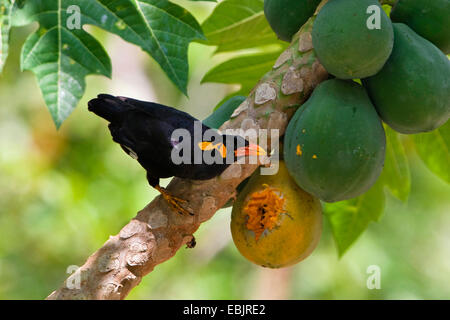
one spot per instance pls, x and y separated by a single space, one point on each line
108 107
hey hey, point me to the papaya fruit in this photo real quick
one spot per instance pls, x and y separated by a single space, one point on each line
429 19
412 91
345 45
223 113
274 223
334 146
287 16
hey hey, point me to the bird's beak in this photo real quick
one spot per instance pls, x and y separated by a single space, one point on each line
251 150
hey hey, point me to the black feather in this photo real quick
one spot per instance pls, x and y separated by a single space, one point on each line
107 107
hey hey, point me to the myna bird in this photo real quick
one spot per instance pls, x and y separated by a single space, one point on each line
145 130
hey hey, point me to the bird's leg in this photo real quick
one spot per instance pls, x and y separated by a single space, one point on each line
173 201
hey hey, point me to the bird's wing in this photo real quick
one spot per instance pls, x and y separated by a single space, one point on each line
175 117
143 134
112 109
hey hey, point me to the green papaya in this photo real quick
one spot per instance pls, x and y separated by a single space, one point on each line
287 16
347 39
429 19
334 146
224 112
412 91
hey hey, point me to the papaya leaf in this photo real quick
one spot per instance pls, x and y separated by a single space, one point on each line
6 10
62 54
396 172
350 218
159 27
245 70
238 24
223 112
60 58
229 96
434 149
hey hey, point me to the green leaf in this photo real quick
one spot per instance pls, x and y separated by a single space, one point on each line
238 24
61 57
434 149
240 92
245 70
350 218
396 172
6 10
159 27
223 112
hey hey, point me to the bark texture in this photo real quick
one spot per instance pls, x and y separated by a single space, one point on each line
157 232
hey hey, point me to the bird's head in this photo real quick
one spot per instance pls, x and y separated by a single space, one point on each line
240 148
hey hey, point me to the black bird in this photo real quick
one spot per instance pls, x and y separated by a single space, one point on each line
145 131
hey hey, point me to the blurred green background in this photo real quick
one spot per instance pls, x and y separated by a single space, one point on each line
62 193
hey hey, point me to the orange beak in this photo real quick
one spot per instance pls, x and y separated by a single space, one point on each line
251 150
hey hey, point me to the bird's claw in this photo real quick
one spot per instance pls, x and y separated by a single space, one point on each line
174 202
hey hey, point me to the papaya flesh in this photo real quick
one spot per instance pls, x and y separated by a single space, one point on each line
287 16
334 146
274 223
345 45
429 19
412 91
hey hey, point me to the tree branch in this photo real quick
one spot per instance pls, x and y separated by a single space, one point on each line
157 232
